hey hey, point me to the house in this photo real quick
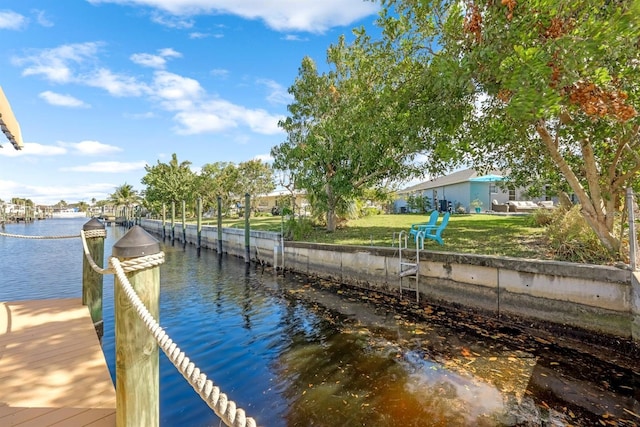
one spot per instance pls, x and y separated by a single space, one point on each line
272 201
459 189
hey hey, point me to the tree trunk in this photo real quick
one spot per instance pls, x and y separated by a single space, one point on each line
331 209
593 211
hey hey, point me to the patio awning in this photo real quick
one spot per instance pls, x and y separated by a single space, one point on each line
488 178
8 123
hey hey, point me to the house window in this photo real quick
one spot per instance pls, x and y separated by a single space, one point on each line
512 194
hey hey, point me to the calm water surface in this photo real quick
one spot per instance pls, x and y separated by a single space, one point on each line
293 353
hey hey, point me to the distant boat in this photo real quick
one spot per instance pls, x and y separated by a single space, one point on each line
68 213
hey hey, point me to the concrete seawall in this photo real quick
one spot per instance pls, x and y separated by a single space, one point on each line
600 299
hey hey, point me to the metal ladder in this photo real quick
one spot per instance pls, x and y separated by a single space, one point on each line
409 269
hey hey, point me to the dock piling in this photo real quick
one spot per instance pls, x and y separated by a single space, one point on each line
247 228
92 280
137 370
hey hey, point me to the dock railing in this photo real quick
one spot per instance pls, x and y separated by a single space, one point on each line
135 263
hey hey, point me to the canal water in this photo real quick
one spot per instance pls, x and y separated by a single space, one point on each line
297 352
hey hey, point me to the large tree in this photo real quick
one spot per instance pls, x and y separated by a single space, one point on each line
556 87
256 179
219 179
169 182
347 128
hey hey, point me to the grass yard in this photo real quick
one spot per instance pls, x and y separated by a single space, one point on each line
466 233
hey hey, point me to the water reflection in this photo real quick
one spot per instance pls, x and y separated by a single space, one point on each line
292 352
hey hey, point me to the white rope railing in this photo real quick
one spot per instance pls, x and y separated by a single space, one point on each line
22 236
224 408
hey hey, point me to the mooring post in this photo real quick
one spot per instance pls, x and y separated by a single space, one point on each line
219 225
199 224
247 230
137 372
92 280
173 222
633 261
184 223
164 221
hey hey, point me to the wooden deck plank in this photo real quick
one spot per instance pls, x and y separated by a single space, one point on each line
52 368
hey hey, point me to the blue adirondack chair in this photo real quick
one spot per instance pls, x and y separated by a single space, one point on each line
415 228
435 232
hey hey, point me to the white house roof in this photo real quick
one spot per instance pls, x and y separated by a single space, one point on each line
8 123
443 181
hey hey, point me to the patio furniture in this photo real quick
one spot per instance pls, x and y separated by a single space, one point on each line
546 204
522 206
434 232
498 207
415 228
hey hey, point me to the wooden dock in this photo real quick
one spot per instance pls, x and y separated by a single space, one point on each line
52 368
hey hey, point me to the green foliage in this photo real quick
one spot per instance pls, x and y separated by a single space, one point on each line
345 129
419 203
571 239
124 195
369 211
298 229
547 90
231 182
544 217
169 182
476 203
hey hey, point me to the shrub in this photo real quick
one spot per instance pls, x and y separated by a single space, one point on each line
370 211
298 229
571 238
544 217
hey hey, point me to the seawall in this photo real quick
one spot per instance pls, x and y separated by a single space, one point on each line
600 299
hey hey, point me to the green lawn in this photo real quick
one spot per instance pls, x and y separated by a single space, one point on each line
466 233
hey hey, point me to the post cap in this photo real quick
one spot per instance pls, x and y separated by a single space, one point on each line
136 243
93 224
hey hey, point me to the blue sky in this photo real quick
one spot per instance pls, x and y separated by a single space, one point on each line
103 87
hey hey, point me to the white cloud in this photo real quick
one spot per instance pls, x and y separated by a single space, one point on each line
62 100
90 148
277 93
107 167
198 35
155 61
217 115
294 38
265 158
55 64
171 21
42 19
139 116
10 20
220 72
176 92
119 85
34 149
294 15
50 195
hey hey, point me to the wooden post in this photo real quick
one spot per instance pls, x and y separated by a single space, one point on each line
137 372
199 224
184 223
219 225
92 280
173 222
633 238
247 229
164 221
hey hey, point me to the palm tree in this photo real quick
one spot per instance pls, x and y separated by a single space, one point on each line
125 196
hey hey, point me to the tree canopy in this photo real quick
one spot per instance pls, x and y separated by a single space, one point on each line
169 182
346 129
547 90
